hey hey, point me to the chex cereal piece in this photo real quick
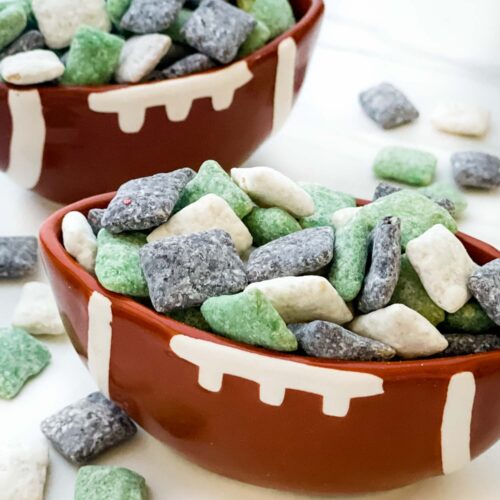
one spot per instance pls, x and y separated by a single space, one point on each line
13 20
174 31
383 273
79 239
184 271
59 20
193 63
140 55
191 317
116 10
209 212
21 358
304 298
93 57
85 429
249 317
384 189
211 178
326 203
461 344
94 218
410 292
461 119
298 253
476 169
23 469
150 16
443 193
218 29
145 203
268 224
387 106
443 266
270 188
328 340
277 15
18 256
485 286
411 166
28 68
409 333
341 217
260 35
117 266
99 482
30 40
470 318
36 311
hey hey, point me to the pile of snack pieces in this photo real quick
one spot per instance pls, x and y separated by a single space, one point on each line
128 41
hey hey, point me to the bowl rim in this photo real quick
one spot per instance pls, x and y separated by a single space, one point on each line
50 240
305 23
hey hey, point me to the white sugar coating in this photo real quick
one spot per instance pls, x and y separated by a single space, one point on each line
443 266
270 188
305 298
58 20
140 55
36 311
341 217
404 329
79 240
34 66
209 212
23 469
461 119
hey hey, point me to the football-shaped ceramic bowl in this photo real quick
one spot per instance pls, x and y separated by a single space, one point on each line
277 420
67 143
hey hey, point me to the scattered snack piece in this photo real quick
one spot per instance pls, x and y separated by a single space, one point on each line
387 106
485 286
94 218
59 20
326 203
193 63
218 29
409 333
304 298
191 317
211 178
18 256
184 271
150 16
298 253
13 20
461 344
79 239
470 318
443 266
249 317
21 358
270 188
269 224
145 203
341 217
85 429
411 166
93 57
209 212
383 273
99 482
117 266
476 170
36 311
461 119
23 469
277 15
328 340
140 55
410 292
31 40
260 35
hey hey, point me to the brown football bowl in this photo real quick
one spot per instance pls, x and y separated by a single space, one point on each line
277 420
67 143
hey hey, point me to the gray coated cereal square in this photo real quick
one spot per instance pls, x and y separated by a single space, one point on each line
18 256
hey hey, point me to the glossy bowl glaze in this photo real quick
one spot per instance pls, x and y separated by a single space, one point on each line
67 143
277 420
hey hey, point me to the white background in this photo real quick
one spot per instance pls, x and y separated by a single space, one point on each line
432 49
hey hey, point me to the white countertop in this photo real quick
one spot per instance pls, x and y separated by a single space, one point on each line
433 51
